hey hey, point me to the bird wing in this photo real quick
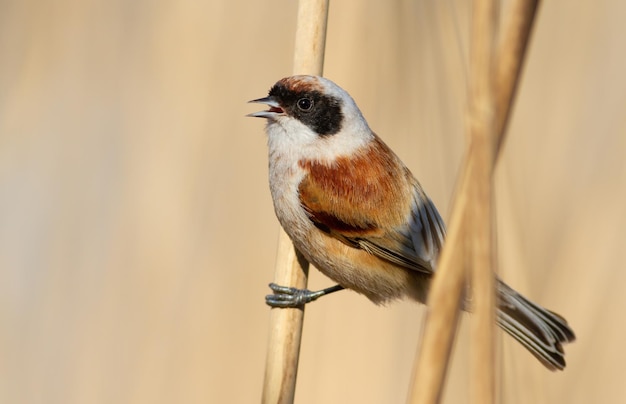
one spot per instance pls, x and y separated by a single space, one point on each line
413 244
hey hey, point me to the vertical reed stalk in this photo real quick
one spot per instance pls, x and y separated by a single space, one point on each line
281 366
481 126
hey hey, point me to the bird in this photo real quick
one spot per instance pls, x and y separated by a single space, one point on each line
354 210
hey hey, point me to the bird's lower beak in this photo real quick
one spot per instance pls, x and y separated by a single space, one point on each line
274 110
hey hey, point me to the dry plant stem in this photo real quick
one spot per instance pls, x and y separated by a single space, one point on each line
487 134
436 342
443 309
281 363
511 52
481 119
281 366
310 37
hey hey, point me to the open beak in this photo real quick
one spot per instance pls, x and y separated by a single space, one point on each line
274 110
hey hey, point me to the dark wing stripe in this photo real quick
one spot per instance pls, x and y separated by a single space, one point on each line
436 224
427 228
427 236
403 259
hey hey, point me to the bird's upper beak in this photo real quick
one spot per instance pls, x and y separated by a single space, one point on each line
274 110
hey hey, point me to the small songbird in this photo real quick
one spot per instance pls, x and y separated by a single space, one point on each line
354 210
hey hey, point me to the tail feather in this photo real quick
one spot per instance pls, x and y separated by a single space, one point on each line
541 331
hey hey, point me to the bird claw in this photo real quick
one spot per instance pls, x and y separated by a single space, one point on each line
288 297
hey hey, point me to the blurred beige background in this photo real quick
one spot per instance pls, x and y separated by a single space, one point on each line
137 235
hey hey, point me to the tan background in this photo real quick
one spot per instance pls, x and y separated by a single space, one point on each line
136 229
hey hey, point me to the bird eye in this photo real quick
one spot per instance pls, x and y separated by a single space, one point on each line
305 104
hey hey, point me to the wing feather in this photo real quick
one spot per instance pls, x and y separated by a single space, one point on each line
413 244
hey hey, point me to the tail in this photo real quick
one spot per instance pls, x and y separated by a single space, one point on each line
541 331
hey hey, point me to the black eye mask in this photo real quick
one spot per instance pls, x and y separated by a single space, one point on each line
322 113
